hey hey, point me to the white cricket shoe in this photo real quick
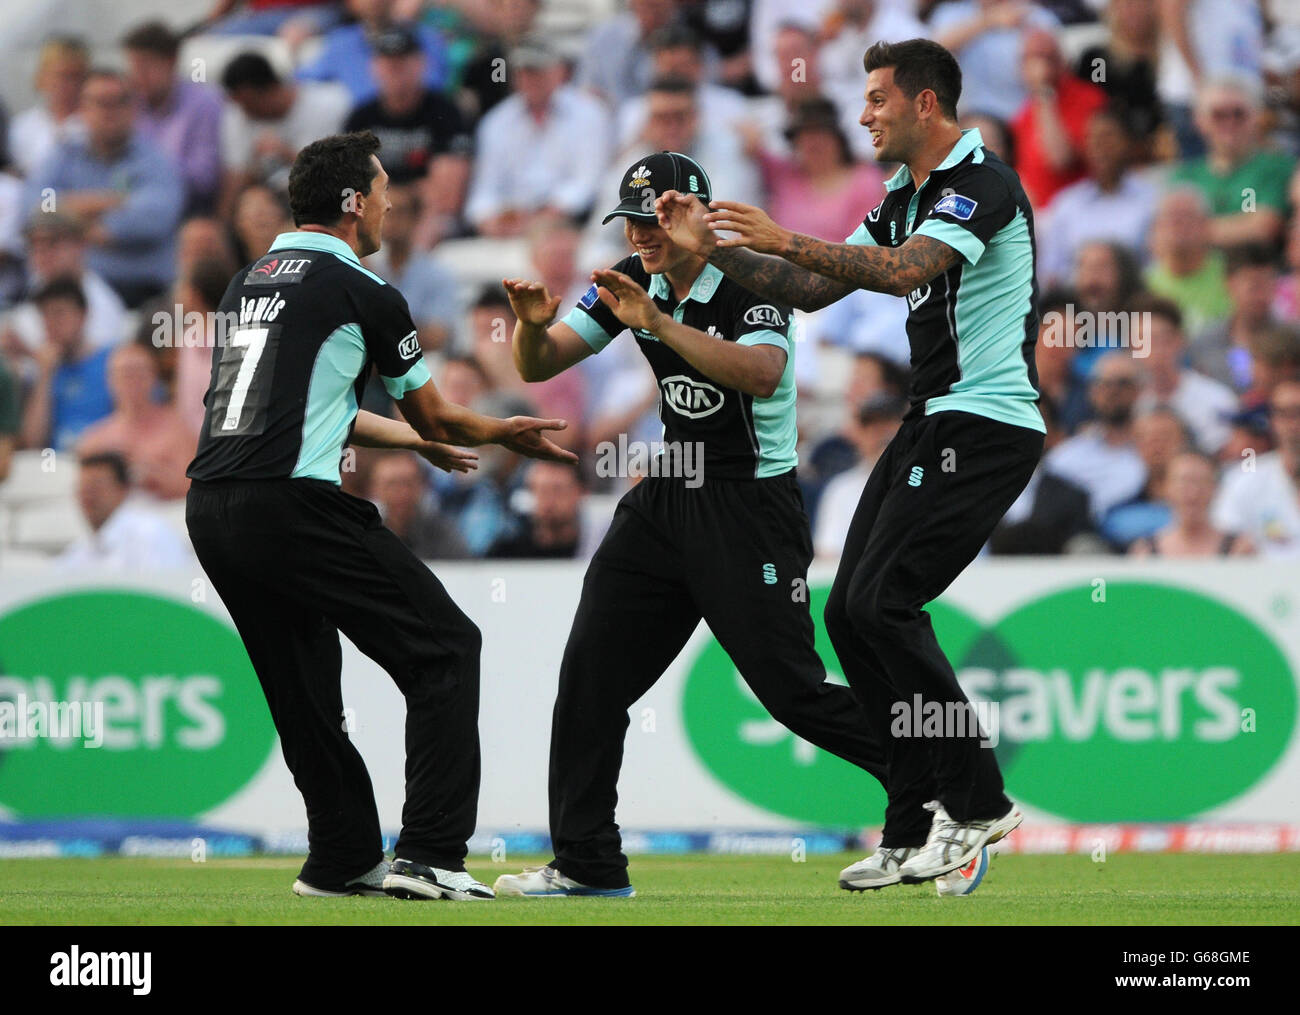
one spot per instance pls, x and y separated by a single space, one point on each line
878 870
548 883
953 844
410 880
369 883
964 880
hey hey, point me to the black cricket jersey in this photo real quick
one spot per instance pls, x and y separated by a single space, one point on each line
304 325
972 330
743 436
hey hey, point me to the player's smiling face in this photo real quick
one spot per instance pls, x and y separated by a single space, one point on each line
889 115
657 252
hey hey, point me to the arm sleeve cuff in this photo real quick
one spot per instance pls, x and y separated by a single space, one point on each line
591 332
409 381
964 242
765 337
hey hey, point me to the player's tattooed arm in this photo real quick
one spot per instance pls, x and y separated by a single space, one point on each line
894 270
779 280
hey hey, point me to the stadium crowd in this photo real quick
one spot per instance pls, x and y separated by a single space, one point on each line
1157 142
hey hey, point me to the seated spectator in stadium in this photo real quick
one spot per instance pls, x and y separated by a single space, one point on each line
121 187
1244 184
1223 349
1105 280
267 120
1058 382
269 17
198 294
156 441
542 149
872 427
422 131
1282 86
1158 436
346 51
124 535
60 73
462 380
1050 127
678 52
553 527
989 34
504 24
820 190
56 248
258 216
616 63
1263 502
1190 486
854 26
1184 266
398 487
1202 403
71 389
1286 295
183 118
10 418
1051 514
1201 42
1124 66
1275 359
483 502
724 27
1112 203
1101 458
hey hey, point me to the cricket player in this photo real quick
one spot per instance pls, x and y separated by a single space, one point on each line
955 236
730 545
296 560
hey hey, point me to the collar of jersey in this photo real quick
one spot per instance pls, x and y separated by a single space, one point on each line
970 140
702 289
315 241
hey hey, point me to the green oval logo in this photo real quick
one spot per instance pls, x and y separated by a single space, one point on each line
1154 705
184 728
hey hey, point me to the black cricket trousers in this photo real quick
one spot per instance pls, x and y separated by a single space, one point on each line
932 501
296 561
727 551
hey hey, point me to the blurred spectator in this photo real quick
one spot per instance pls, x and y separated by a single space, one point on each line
1203 404
56 248
482 502
10 418
1184 267
854 27
1158 436
398 488
1112 203
347 49
1105 279
1051 513
124 535
421 131
1050 128
1201 40
1223 349
1125 67
542 148
258 216
182 118
871 428
461 380
60 73
1260 495
269 17
1189 490
267 121
1244 185
1275 359
71 388
1101 458
616 63
156 441
1060 385
198 292
431 289
1282 74
507 24
994 132
553 527
121 187
820 190
723 26
1286 296
677 52
988 34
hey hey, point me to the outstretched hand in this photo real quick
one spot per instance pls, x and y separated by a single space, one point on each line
449 458
682 218
531 302
526 436
630 303
753 227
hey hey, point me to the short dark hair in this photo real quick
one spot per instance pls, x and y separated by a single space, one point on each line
1247 255
62 287
919 64
674 36
114 461
1157 306
674 84
249 70
326 171
490 296
153 37
210 277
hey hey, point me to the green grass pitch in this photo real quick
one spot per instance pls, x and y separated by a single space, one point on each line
717 890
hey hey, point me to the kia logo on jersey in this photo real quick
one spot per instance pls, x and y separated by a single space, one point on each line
691 398
410 346
765 314
918 296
